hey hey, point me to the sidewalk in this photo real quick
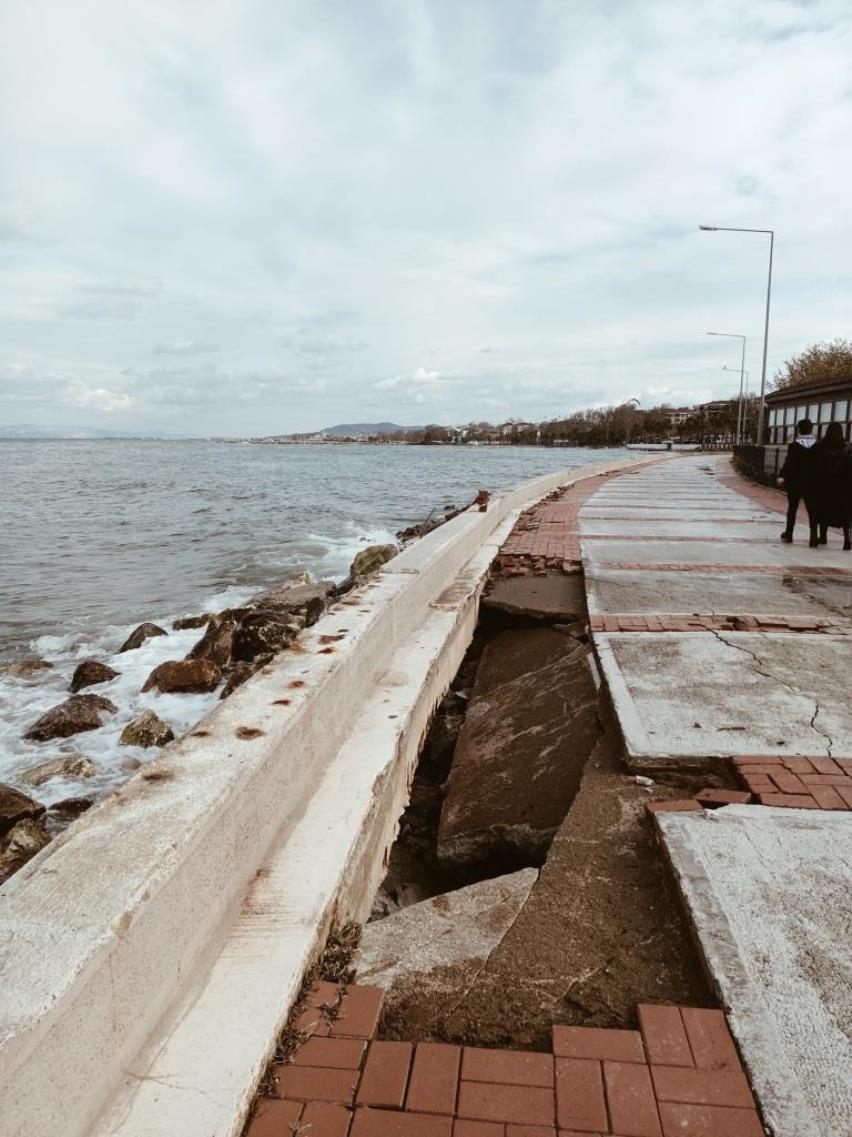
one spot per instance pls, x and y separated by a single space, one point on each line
716 639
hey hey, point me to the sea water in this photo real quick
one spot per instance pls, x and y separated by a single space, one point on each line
96 537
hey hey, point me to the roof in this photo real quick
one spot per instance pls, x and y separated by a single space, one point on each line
834 388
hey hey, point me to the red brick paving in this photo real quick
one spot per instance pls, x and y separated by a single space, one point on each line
679 1074
796 782
713 623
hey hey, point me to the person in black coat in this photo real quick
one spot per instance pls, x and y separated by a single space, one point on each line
833 484
797 477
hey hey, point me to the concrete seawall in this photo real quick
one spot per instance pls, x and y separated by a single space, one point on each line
150 954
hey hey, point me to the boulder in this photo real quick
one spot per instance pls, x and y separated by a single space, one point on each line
15 806
293 596
191 622
21 843
75 715
146 730
139 635
24 668
427 955
371 559
217 642
90 672
65 766
65 811
260 633
239 673
184 676
530 726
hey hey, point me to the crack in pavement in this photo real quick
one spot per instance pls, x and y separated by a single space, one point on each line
758 669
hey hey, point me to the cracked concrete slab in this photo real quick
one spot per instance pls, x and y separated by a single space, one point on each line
433 951
633 591
767 892
691 697
660 551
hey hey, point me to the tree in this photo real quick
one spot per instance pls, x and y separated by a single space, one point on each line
819 363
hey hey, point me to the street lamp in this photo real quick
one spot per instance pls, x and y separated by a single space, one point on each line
771 232
737 336
742 413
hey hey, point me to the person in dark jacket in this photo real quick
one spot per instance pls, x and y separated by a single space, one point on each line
797 477
833 484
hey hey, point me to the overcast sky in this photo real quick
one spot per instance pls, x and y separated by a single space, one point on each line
264 215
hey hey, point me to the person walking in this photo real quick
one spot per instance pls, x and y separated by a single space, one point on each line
833 484
797 478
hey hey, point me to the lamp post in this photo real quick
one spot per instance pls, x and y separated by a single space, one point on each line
737 336
771 234
742 411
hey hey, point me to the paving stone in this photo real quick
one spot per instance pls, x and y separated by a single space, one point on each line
385 1076
275 1118
789 801
664 1035
580 1102
323 994
827 798
530 1131
390 1123
702 1087
433 1085
359 1013
464 1128
487 1101
688 805
709 1039
311 1083
786 781
708 1121
517 1067
337 1053
312 1022
595 1042
630 1100
320 1119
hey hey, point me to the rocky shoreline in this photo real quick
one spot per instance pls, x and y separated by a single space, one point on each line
233 645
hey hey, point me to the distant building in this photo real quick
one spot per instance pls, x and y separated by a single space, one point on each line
822 403
677 416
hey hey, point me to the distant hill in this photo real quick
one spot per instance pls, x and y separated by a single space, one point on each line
364 429
29 431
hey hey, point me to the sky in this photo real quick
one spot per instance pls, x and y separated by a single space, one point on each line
265 216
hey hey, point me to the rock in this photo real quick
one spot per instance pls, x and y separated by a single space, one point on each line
90 672
291 597
23 668
260 633
192 622
530 727
239 673
428 954
184 676
138 637
552 597
217 642
371 559
65 766
390 900
75 715
146 730
65 811
19 845
15 806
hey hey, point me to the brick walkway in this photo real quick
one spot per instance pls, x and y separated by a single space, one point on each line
547 536
678 1076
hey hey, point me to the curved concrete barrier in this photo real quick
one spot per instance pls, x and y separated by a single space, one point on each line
149 956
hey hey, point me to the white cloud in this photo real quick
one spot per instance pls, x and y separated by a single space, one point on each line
340 194
185 347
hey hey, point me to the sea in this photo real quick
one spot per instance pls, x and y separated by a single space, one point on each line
98 536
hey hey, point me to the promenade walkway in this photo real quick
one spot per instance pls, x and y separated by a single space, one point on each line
716 639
